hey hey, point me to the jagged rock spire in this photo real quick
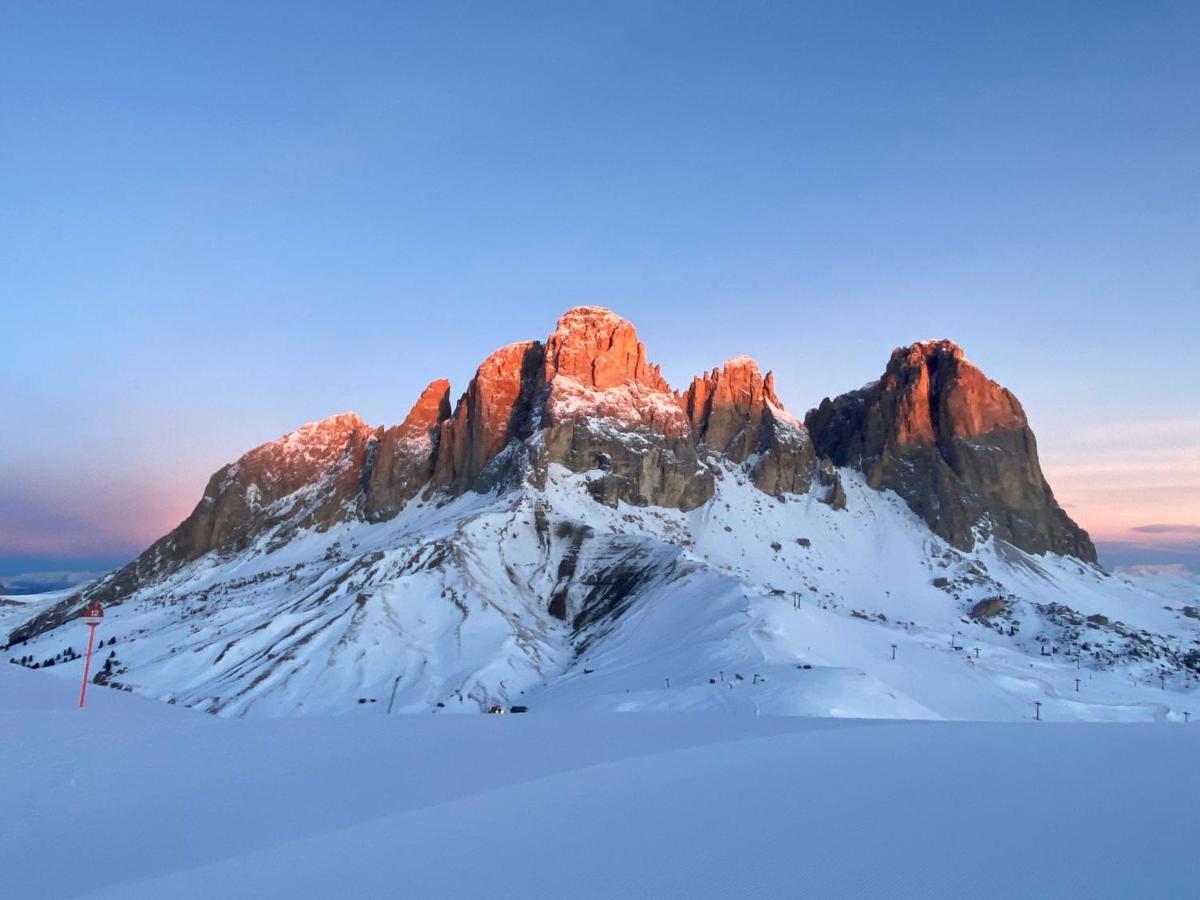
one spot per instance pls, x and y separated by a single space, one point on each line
735 413
494 410
403 460
726 407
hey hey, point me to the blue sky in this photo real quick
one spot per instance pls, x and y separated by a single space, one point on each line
219 221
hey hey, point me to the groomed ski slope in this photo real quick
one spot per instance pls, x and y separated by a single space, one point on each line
131 798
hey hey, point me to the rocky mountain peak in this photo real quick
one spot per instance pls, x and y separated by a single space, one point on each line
735 413
954 444
305 478
943 395
495 409
598 349
920 350
404 457
314 436
606 409
725 407
589 392
431 408
315 450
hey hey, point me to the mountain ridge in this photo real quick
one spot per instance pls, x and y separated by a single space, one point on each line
572 517
588 398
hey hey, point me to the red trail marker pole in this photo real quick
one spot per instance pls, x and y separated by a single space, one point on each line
92 616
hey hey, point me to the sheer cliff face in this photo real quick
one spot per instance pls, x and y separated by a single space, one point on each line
955 445
402 459
586 399
494 411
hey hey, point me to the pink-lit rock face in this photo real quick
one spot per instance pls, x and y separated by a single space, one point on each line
726 407
595 369
304 478
608 410
955 445
735 413
596 348
405 455
968 403
494 409
581 391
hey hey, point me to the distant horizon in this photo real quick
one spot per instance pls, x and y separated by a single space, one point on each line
1113 555
366 199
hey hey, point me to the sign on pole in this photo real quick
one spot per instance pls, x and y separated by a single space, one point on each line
92 616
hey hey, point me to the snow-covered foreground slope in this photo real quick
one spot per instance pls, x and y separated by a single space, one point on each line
747 603
132 798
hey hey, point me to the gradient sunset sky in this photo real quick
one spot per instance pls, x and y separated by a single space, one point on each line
220 221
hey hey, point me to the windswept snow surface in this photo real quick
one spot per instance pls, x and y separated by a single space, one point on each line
131 798
746 604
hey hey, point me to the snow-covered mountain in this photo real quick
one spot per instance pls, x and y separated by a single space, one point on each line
575 534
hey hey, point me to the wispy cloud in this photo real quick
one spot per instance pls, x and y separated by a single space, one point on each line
1186 530
1127 480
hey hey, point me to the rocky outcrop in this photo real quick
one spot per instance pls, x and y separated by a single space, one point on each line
727 407
404 458
991 606
607 411
955 445
495 410
311 478
587 399
830 483
735 413
598 350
